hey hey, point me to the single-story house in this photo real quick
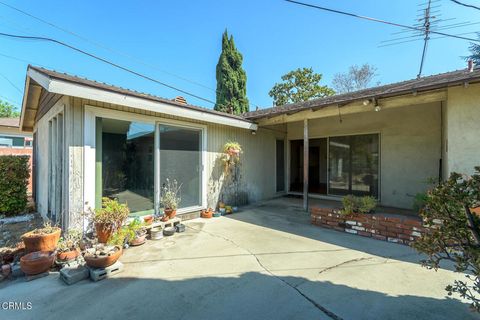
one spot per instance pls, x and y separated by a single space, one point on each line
96 140
15 142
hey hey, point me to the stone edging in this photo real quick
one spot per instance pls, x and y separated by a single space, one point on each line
392 229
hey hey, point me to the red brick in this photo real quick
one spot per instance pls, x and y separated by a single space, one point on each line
411 222
405 237
364 234
379 237
393 219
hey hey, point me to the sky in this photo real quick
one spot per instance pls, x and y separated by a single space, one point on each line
179 42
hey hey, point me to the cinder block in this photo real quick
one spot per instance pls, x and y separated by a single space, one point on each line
97 274
73 275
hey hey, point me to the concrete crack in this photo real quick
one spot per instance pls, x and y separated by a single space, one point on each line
344 263
313 302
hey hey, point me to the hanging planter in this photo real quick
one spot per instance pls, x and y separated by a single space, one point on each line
231 155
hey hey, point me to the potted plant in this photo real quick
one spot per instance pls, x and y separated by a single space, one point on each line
37 262
231 155
136 233
102 256
109 218
42 239
69 246
170 199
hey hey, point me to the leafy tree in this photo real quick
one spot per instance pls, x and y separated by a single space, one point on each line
454 232
231 79
475 52
356 78
299 85
7 110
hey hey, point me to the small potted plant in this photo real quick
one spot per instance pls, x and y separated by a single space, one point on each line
109 218
170 199
102 255
42 239
231 155
69 246
136 234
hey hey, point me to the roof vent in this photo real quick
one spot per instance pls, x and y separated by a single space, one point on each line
470 65
180 99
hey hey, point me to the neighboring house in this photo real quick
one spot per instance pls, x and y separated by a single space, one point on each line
14 142
98 140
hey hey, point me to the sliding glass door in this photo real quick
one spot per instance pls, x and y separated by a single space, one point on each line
181 160
354 165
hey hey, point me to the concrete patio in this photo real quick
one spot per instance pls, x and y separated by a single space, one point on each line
266 262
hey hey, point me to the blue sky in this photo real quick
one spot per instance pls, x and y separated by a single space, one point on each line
184 38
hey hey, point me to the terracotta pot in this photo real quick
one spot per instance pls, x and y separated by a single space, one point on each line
475 211
41 242
103 261
170 213
164 218
37 262
207 214
148 219
104 231
139 239
68 255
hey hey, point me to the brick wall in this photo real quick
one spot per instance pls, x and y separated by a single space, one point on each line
381 227
6 151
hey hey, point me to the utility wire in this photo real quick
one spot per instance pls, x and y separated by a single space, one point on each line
105 61
11 83
100 45
465 4
379 20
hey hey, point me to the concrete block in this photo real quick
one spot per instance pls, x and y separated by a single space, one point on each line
16 271
72 275
103 273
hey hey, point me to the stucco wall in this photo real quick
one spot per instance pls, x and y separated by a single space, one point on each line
462 130
410 146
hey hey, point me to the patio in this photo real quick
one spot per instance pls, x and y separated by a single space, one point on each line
266 262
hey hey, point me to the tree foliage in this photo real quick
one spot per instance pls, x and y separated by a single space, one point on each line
231 79
356 78
14 173
299 85
474 52
454 232
7 110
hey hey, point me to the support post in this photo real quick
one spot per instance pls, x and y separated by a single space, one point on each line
305 164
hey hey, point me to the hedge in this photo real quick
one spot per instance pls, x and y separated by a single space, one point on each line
14 174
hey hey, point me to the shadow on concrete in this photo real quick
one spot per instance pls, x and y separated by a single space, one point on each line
250 295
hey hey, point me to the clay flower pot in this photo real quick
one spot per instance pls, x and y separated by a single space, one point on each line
104 231
139 239
103 261
68 255
37 262
41 242
207 214
148 219
170 213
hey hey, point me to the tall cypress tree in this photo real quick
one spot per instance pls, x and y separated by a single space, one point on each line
231 79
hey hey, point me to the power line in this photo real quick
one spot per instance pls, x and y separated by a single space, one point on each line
100 45
379 20
11 83
105 61
465 4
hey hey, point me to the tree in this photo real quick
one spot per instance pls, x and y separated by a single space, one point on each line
7 110
231 79
356 78
454 232
475 52
299 85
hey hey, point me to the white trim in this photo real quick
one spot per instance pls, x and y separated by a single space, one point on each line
87 92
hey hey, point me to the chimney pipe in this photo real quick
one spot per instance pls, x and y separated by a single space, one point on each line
470 65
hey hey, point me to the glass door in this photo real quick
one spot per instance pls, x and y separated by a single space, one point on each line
181 160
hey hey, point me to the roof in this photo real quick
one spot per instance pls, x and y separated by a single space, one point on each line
10 122
104 86
395 89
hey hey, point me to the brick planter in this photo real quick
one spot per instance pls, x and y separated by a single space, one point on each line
380 227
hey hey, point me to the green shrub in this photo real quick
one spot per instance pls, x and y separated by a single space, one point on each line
349 204
366 204
352 204
14 174
419 201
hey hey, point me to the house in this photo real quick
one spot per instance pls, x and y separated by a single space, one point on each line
14 142
97 140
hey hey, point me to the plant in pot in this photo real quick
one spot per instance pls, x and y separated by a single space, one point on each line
103 255
136 234
231 155
170 199
69 246
42 239
109 218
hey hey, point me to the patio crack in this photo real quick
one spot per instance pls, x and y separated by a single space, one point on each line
310 300
344 263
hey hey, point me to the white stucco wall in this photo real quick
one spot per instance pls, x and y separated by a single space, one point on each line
462 129
410 146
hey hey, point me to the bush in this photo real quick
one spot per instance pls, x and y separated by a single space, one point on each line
352 204
14 173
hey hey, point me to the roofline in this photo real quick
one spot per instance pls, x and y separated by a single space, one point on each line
70 88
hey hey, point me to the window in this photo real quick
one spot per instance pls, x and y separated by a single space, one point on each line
354 165
8 141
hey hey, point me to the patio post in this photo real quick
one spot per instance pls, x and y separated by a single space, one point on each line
305 164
